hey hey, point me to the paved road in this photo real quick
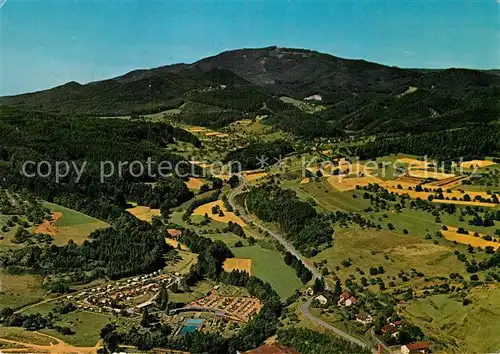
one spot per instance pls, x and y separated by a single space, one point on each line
276 236
305 307
305 310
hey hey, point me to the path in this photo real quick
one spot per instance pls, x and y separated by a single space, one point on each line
58 348
304 308
276 236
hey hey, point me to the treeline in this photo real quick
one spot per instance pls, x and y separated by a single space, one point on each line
306 341
474 142
252 156
307 229
303 273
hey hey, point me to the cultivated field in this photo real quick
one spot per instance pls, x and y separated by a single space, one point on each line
452 235
422 173
194 183
476 164
349 183
228 216
241 264
144 213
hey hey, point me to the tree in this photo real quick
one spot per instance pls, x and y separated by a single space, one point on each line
319 285
145 318
234 181
251 241
162 299
338 288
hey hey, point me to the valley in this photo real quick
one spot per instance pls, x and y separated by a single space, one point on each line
361 214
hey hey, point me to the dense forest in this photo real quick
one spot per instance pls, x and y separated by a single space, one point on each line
307 229
470 143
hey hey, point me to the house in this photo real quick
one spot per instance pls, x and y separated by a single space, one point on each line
415 348
310 291
271 349
314 98
174 233
346 299
392 330
364 318
321 299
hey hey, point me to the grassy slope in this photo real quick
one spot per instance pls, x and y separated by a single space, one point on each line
269 266
73 225
474 327
19 290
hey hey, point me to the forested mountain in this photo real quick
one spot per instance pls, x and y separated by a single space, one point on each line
356 95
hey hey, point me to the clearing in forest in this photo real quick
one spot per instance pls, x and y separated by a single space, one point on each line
228 216
242 264
68 224
144 213
194 183
476 241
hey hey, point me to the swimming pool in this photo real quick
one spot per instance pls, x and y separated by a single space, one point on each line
191 325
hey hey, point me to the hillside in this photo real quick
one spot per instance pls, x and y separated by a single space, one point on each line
355 95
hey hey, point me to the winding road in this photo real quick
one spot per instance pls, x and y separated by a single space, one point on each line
276 236
305 306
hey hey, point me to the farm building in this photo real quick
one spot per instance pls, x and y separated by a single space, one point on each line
271 349
415 348
346 299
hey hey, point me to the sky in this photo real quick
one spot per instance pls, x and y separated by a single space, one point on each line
48 43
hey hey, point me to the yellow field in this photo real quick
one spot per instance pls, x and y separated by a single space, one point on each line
253 176
447 182
196 129
347 184
477 163
228 216
194 183
421 173
461 202
452 235
174 243
454 194
243 264
217 134
405 182
144 213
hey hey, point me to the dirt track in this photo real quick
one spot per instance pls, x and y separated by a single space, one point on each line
59 348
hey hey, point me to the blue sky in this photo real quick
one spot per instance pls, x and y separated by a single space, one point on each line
47 43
